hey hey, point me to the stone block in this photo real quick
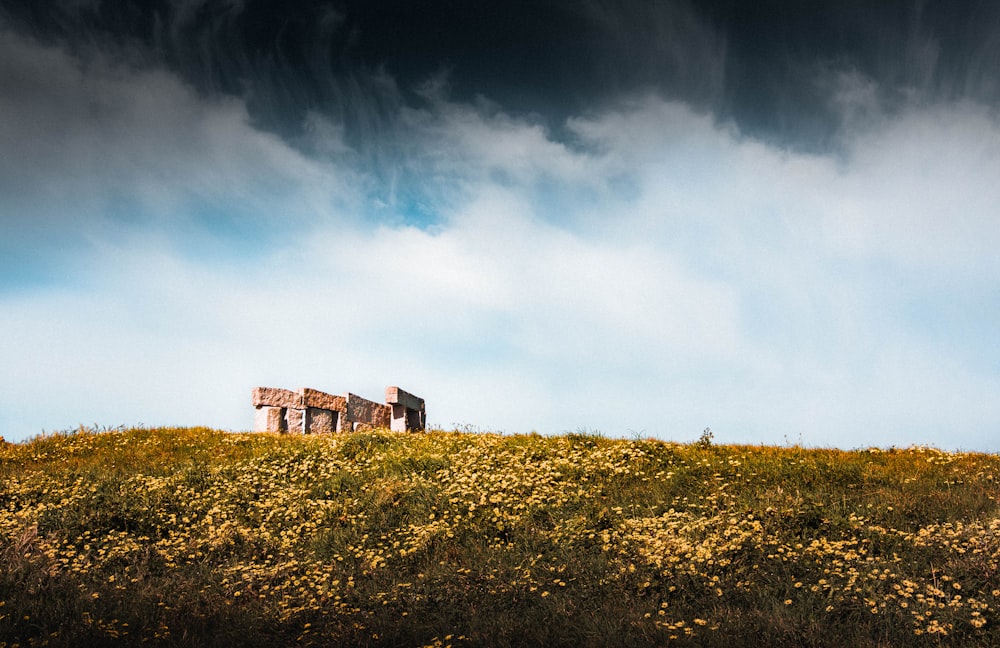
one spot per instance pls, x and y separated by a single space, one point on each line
322 400
405 419
418 420
320 421
295 420
396 396
382 416
273 397
364 411
399 417
408 411
269 419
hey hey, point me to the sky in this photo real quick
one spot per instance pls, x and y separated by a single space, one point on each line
777 220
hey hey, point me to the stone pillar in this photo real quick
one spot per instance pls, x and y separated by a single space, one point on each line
320 421
408 411
273 407
269 419
295 420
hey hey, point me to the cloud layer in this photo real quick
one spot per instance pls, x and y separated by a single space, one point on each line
650 269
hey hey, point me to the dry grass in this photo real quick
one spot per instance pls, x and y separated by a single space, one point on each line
195 537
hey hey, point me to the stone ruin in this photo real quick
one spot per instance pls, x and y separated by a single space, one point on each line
309 411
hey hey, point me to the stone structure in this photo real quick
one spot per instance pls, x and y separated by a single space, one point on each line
308 411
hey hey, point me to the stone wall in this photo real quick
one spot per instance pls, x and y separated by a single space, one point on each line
309 411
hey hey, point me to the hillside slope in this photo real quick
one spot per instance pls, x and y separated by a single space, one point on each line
194 537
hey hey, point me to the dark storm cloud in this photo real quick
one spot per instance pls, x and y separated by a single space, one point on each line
555 204
773 68
96 150
356 82
786 60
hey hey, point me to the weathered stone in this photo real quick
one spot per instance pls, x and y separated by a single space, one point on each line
295 420
320 421
312 411
362 410
382 416
405 419
322 400
299 399
273 397
399 418
419 420
407 410
396 396
269 419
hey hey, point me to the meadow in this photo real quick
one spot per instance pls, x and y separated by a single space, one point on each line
194 537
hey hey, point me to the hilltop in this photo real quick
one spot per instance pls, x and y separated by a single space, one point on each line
194 537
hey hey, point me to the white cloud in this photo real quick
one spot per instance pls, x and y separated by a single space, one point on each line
93 147
929 177
661 274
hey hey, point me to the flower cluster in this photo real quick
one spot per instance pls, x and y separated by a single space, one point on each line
443 538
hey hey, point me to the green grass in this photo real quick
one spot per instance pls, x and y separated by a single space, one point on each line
192 537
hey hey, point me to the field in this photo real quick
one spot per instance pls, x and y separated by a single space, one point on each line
192 537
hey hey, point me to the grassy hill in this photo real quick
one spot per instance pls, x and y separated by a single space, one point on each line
195 537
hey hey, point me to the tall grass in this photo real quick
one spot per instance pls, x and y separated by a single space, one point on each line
192 537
